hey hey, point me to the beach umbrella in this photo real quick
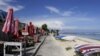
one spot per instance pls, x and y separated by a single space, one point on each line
8 23
12 27
26 27
31 29
42 31
16 28
25 30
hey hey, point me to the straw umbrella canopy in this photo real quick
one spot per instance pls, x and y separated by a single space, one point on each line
8 25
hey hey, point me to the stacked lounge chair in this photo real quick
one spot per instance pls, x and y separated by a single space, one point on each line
88 50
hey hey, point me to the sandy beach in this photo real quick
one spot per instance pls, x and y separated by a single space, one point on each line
78 41
51 47
56 47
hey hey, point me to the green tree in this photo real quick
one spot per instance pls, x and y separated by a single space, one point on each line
45 28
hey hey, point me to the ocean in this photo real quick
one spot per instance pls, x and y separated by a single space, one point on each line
95 36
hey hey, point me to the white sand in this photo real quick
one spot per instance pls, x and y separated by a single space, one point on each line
51 47
78 40
54 47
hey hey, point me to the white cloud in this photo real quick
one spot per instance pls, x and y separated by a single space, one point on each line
67 23
52 24
19 7
52 9
57 11
2 2
4 5
67 13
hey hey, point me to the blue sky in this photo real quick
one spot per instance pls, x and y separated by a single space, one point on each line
76 15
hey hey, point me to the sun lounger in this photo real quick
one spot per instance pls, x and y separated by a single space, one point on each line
59 37
87 49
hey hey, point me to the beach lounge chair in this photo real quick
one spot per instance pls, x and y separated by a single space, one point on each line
59 37
88 50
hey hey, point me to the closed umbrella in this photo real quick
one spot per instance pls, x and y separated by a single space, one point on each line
8 23
31 29
16 28
26 27
12 27
8 27
42 31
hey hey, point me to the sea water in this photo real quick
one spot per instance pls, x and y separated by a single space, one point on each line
85 35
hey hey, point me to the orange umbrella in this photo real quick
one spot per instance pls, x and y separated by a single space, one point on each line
9 20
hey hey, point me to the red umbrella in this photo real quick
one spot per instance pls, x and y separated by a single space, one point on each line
12 27
16 28
42 31
9 20
31 29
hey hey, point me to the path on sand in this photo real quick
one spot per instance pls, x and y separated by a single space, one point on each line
51 48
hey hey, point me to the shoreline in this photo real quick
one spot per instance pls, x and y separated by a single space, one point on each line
78 41
83 36
88 40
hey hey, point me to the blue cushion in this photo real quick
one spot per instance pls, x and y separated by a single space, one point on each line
59 36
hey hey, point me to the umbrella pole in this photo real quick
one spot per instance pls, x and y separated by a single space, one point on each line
25 45
9 36
8 40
